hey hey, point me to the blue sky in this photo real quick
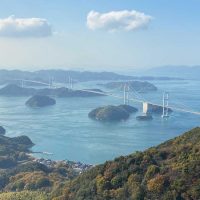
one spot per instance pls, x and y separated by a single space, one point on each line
171 37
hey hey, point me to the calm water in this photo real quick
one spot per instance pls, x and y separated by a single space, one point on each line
66 131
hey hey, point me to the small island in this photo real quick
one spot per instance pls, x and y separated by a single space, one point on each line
112 113
40 101
138 86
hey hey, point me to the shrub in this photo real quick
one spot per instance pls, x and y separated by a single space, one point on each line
152 170
43 182
156 184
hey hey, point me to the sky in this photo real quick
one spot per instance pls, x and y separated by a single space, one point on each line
99 34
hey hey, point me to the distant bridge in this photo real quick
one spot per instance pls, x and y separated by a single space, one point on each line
23 81
126 99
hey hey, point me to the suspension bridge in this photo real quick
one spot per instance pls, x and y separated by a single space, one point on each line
24 81
125 97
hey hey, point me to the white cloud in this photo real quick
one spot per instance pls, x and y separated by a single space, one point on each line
24 27
118 20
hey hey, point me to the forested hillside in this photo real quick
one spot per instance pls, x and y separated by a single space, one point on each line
168 171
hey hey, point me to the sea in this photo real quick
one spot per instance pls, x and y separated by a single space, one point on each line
65 132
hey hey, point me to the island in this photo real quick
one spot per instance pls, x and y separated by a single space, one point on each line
16 90
112 113
128 108
40 101
138 86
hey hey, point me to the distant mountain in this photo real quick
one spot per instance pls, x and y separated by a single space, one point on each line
62 76
176 71
12 76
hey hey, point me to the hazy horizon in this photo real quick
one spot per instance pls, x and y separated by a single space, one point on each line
100 69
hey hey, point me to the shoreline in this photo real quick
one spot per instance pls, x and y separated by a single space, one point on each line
77 166
26 142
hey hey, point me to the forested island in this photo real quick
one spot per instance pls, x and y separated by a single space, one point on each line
40 101
16 90
139 86
170 170
112 113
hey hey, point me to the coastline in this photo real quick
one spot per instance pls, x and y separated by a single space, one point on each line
78 166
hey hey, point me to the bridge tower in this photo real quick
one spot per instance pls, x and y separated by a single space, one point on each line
22 83
165 105
70 83
50 82
126 94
